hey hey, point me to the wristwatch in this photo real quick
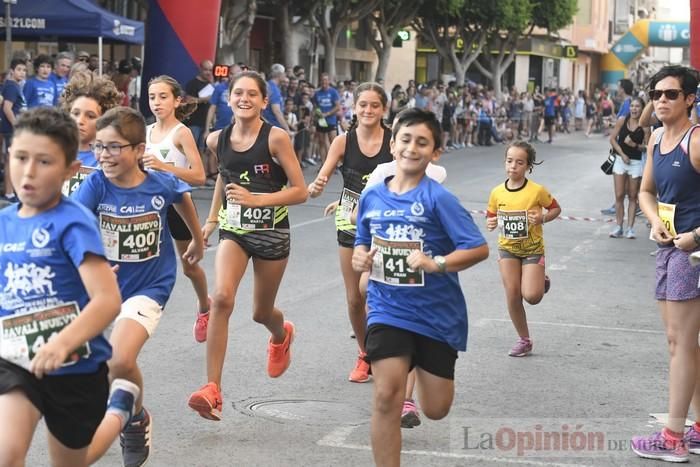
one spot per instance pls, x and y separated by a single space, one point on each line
441 263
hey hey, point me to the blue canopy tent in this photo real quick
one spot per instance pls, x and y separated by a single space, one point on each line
71 21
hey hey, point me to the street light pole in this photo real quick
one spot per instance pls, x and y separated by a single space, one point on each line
8 32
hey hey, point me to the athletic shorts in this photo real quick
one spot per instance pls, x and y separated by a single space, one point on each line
529 259
676 279
270 245
325 129
345 239
178 228
446 125
72 405
549 121
435 357
144 310
634 169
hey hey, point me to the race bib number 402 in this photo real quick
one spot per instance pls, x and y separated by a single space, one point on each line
21 336
513 224
131 238
250 218
390 265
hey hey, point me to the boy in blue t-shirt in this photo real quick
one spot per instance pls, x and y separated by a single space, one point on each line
39 90
57 295
131 205
413 236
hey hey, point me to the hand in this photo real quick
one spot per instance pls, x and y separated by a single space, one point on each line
316 187
115 268
236 194
491 223
152 162
194 252
535 217
628 141
207 229
362 260
685 241
660 233
330 209
625 159
418 260
49 357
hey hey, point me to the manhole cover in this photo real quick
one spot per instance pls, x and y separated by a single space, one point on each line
310 412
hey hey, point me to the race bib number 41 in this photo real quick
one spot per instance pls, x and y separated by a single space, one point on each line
131 238
513 224
21 336
390 265
250 218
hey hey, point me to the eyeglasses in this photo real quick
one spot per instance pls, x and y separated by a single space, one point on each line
671 94
113 149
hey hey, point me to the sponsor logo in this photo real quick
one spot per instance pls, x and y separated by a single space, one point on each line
40 237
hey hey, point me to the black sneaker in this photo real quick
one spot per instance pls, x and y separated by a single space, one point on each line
135 440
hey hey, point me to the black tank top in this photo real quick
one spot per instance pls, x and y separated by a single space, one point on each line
637 136
254 169
357 167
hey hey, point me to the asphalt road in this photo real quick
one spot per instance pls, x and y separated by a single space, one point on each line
598 369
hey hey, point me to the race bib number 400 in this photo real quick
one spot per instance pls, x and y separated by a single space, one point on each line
390 265
21 336
131 238
250 218
513 224
69 186
348 202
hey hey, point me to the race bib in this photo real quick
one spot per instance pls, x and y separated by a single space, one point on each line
348 203
513 225
390 265
667 213
72 184
250 218
131 239
21 336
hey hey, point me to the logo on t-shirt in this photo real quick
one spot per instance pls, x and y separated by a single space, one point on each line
417 208
158 202
40 237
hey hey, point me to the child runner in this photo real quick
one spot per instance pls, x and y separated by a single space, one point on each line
251 196
366 136
86 97
132 206
414 236
54 267
670 199
170 147
515 207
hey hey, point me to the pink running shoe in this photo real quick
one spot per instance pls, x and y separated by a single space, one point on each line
521 348
200 325
409 414
658 447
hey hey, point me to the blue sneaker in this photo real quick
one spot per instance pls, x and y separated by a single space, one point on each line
135 440
608 211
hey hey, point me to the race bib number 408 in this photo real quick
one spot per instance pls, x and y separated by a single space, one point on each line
131 238
21 336
513 224
390 264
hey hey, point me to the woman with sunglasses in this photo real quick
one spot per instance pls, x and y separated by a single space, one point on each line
670 199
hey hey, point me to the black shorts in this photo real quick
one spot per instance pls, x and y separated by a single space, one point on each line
325 129
178 228
549 121
73 405
269 245
446 125
433 356
345 239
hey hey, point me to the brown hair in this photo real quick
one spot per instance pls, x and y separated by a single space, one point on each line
255 76
187 104
53 123
529 150
88 84
129 123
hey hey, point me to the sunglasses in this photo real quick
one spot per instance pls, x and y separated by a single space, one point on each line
671 94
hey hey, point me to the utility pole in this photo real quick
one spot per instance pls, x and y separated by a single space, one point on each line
8 32
695 33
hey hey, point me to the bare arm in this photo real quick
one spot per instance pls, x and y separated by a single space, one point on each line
613 139
335 155
277 110
647 119
186 210
7 110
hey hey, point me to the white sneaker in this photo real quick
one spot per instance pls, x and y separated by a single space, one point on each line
630 233
617 232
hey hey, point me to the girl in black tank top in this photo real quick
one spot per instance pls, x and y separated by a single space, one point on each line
361 149
259 177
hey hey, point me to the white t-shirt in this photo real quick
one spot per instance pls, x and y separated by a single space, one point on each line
436 172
